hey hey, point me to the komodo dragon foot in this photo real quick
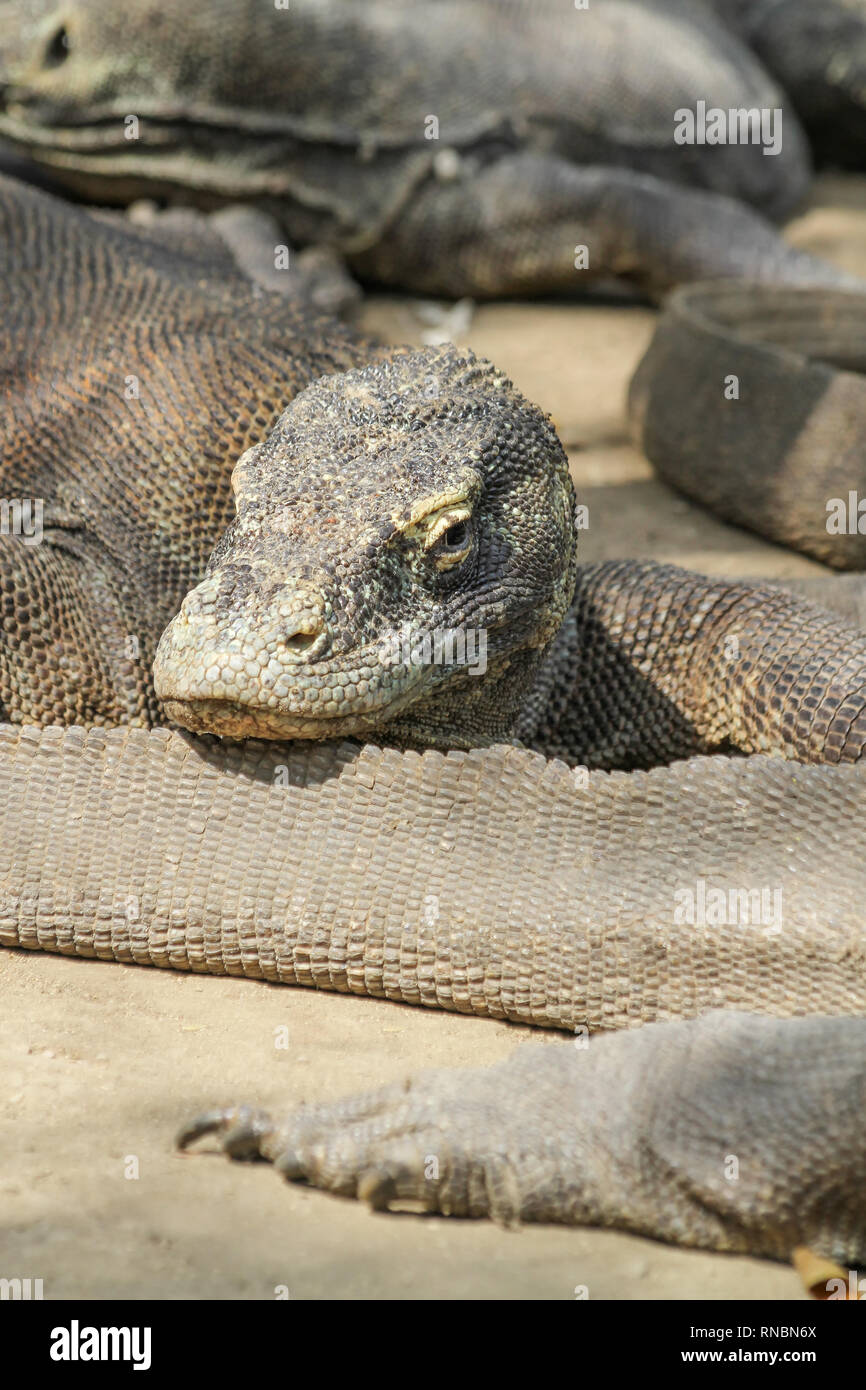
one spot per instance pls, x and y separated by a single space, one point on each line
691 1133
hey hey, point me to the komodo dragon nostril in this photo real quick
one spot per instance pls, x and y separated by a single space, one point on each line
302 633
301 642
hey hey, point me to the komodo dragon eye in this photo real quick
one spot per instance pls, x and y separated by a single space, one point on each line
456 536
58 49
449 539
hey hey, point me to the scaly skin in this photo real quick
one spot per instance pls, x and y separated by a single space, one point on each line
494 882
136 375
419 495
422 488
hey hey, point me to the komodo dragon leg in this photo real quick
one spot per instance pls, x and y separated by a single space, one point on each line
531 224
712 666
70 650
246 240
735 1132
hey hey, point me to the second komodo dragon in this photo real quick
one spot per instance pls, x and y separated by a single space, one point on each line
479 147
403 494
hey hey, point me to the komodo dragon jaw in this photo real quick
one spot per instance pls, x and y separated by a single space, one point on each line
425 480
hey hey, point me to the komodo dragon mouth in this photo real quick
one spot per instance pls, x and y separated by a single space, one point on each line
319 703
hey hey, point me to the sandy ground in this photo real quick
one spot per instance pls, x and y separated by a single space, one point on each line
99 1064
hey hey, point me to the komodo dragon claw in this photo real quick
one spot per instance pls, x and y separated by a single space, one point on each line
371 1147
243 1131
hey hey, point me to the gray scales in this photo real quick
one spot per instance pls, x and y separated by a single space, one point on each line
473 874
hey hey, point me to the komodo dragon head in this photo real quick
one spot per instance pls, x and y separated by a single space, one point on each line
160 96
239 100
403 555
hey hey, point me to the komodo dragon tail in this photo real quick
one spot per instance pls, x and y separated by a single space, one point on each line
496 882
751 399
491 881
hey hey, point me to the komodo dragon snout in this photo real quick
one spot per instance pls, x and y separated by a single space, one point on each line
403 537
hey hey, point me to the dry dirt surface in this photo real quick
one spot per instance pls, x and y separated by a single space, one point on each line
101 1063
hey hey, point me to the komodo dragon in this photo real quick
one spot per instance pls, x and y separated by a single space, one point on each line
477 148
403 492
